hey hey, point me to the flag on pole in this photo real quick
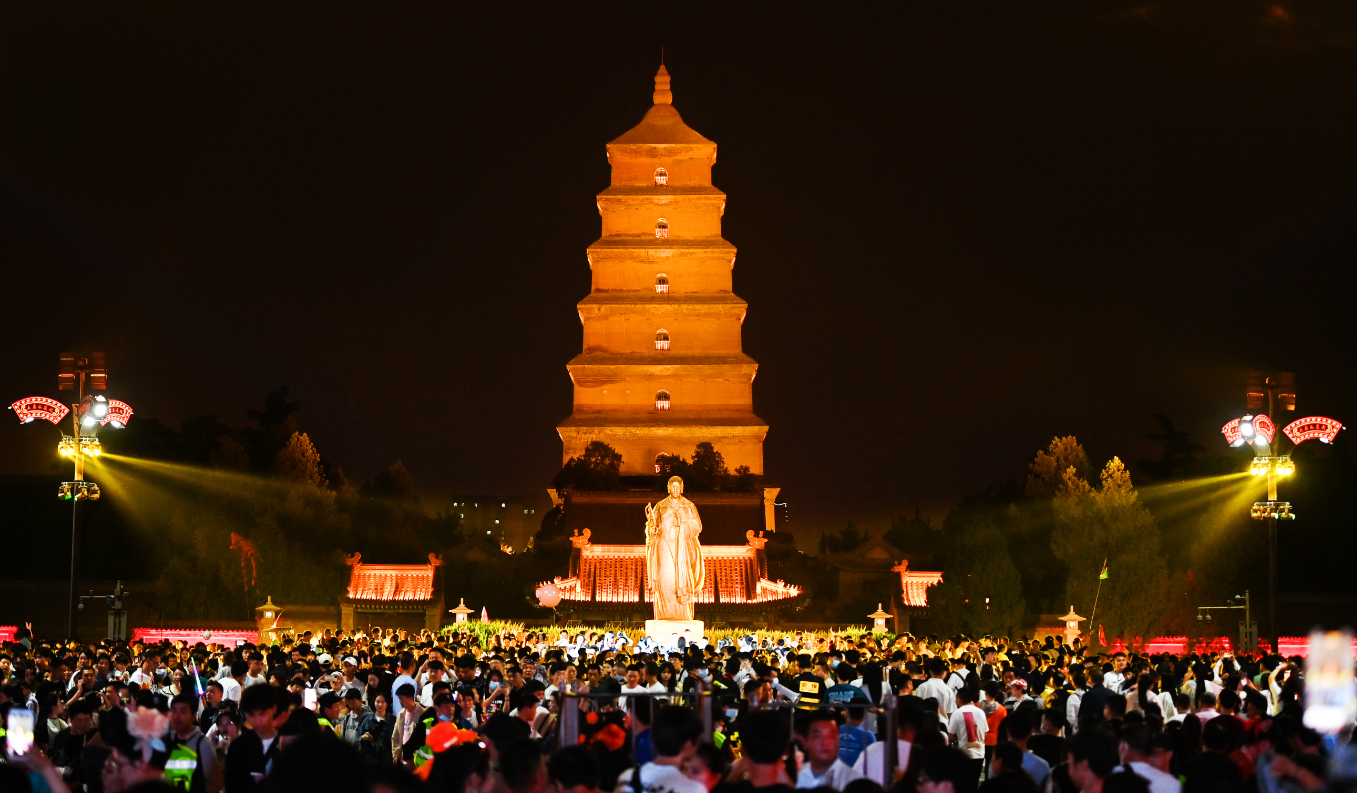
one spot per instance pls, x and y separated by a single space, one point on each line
1103 575
1102 637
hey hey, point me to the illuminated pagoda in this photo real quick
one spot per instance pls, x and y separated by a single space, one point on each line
663 370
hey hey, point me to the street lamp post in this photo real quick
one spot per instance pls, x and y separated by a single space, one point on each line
1249 634
89 413
1260 431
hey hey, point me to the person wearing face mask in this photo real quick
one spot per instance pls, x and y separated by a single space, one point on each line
694 671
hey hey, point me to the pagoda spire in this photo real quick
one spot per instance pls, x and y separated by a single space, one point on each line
663 96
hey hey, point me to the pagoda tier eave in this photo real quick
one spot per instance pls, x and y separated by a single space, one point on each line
658 247
663 361
641 297
662 191
602 423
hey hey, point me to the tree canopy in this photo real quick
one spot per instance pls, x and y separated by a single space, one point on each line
598 468
1109 522
981 592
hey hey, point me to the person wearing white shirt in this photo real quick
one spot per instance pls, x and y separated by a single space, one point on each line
1206 707
957 680
1115 680
436 671
230 689
870 762
967 727
1139 753
937 689
675 733
823 768
146 675
631 686
231 685
1075 699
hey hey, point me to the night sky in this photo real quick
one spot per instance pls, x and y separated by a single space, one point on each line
962 230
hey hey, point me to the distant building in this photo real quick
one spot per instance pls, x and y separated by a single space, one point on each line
872 567
510 521
405 596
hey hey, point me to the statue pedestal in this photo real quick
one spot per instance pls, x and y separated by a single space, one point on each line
668 632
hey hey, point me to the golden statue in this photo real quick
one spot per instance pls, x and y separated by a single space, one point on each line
675 573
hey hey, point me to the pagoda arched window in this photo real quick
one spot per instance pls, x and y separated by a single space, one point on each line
661 177
661 228
661 339
661 400
661 284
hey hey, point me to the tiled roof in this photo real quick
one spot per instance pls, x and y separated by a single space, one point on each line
391 582
914 584
616 574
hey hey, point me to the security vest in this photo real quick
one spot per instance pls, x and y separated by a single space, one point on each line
425 753
811 690
182 767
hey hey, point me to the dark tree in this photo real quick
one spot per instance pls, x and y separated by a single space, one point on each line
1179 457
393 482
200 438
276 424
843 541
551 540
705 473
597 469
915 535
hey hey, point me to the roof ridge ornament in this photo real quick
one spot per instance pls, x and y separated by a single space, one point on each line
662 95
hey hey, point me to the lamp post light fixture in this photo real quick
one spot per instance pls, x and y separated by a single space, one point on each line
1259 431
89 414
879 618
461 611
1248 629
1072 621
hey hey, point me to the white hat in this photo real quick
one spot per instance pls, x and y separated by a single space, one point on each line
323 658
351 660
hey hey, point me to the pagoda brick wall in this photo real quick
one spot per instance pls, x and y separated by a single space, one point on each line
661 221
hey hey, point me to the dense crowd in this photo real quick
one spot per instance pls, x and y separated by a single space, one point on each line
385 710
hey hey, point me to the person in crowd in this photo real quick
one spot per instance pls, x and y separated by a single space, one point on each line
137 753
1093 757
764 767
252 752
357 719
967 727
819 731
1019 727
948 770
574 769
193 759
854 737
1214 771
675 733
1245 728
1006 772
1144 756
